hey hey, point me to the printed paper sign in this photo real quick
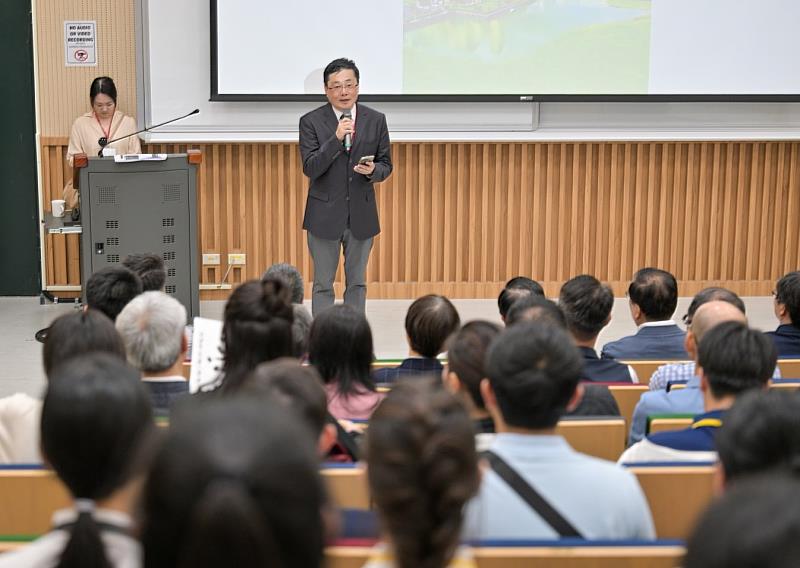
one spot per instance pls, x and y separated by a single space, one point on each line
80 43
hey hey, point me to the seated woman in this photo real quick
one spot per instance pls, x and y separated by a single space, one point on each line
96 422
466 358
422 469
91 132
340 347
430 320
257 328
236 483
70 335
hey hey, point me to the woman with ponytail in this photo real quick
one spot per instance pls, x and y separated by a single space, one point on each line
422 469
236 483
96 420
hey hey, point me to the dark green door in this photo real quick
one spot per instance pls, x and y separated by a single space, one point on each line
19 234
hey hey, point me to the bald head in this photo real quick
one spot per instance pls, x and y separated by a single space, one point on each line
712 314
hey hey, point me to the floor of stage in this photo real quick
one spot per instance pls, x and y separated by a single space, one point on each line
20 354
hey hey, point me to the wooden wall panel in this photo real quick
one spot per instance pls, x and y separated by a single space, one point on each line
461 219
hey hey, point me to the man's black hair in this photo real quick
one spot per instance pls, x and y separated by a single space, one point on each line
338 65
587 304
516 288
712 294
655 291
150 268
787 292
735 358
533 369
111 288
430 320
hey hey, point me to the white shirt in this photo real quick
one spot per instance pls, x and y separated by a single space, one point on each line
19 429
664 323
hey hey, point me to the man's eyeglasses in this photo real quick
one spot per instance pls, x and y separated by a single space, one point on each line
339 87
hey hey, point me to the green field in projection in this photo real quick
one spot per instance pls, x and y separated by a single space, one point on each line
524 46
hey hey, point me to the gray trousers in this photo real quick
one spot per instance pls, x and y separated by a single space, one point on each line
325 254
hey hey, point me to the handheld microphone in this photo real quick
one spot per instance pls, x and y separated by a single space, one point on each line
148 129
348 138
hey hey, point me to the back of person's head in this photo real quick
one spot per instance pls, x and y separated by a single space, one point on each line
301 327
713 313
257 327
587 304
291 276
533 369
96 421
756 523
761 433
78 333
712 294
516 288
236 483
534 308
152 327
466 356
655 291
340 347
422 470
150 269
787 292
735 358
287 383
430 320
111 288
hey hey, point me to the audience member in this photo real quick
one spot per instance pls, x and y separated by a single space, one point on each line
340 347
96 422
534 372
587 305
422 469
688 400
756 523
302 317
285 382
236 483
257 327
110 289
516 288
653 297
466 368
761 434
150 269
71 335
152 328
787 310
683 372
731 359
430 320
597 400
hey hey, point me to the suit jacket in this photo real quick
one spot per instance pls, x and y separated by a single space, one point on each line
656 342
413 366
787 340
338 196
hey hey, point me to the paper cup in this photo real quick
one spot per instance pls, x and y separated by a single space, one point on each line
57 207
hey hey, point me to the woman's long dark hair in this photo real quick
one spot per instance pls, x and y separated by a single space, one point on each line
236 484
340 347
257 327
96 419
422 470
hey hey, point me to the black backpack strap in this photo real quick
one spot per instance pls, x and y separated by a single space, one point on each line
532 497
345 438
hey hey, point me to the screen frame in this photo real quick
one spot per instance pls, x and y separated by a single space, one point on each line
216 96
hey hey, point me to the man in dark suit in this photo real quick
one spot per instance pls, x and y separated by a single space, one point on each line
653 297
787 310
341 213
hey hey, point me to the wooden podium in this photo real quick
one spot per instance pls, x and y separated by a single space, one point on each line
142 206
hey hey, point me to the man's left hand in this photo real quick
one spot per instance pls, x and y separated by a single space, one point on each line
366 168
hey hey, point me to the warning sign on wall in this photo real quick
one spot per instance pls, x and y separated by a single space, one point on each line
80 43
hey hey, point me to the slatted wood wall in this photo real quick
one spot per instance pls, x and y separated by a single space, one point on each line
461 219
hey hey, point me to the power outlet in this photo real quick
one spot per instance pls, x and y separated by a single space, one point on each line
237 258
211 259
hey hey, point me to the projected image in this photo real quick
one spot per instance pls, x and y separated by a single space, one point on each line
526 46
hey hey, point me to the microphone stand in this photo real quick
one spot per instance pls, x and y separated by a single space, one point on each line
148 129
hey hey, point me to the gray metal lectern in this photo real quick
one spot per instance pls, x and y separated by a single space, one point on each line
143 207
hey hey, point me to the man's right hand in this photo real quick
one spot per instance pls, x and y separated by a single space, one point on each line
345 127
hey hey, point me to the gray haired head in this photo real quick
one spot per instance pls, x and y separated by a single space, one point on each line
152 327
291 276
